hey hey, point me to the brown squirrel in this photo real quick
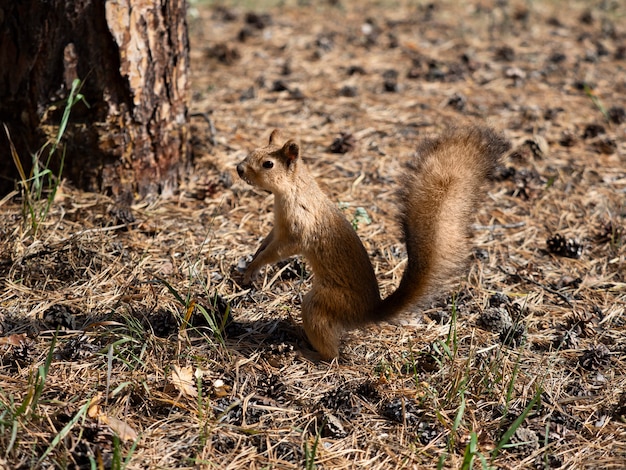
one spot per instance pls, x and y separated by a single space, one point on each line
437 196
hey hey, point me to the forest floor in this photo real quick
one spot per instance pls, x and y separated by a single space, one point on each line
127 339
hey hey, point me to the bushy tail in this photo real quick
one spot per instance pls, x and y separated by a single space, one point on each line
441 190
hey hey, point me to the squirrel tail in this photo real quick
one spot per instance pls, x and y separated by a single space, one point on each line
439 193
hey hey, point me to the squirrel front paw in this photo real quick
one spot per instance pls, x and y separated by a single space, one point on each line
250 275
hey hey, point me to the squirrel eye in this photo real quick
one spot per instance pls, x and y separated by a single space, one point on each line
268 164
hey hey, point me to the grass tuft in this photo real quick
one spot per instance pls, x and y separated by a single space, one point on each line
42 180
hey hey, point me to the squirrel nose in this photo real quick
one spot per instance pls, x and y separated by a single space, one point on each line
240 170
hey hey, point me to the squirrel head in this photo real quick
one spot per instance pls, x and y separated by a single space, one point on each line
272 167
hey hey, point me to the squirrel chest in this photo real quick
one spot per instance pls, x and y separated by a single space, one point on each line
325 237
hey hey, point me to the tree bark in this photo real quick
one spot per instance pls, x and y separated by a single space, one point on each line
132 58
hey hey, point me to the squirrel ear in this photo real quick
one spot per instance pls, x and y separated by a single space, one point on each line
291 150
274 137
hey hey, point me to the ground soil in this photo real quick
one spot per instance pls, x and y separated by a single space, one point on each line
128 339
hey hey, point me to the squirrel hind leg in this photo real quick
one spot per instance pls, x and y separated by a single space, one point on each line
322 330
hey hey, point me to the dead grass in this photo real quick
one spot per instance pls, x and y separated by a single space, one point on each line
139 294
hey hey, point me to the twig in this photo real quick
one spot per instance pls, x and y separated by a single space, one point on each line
60 244
8 197
496 226
212 131
564 297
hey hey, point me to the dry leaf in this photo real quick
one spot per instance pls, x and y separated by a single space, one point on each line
220 389
183 380
94 410
13 340
123 430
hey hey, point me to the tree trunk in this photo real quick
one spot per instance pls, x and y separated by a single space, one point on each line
132 59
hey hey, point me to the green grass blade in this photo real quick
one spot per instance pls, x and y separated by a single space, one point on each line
516 424
32 397
511 387
15 156
459 414
173 291
470 452
13 436
65 431
310 453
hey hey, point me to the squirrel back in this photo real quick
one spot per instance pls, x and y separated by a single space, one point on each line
438 194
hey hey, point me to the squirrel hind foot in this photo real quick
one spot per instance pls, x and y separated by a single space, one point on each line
322 332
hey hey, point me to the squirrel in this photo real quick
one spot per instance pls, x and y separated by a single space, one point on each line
437 196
